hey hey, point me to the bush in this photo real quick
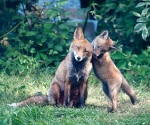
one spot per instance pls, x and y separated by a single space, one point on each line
117 17
143 21
136 68
40 40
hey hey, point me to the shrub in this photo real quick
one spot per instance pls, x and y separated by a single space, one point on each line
39 41
117 17
143 21
136 68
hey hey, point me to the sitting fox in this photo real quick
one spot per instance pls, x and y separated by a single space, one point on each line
69 85
106 71
73 72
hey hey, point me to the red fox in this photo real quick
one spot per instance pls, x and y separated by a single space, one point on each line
73 71
69 85
106 71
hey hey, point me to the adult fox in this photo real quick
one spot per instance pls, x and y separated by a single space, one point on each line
69 85
106 71
73 71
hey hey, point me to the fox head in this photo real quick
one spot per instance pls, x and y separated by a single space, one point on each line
102 44
80 47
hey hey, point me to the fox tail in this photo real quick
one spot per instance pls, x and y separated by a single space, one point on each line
40 99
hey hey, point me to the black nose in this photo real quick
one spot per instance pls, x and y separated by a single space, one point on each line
78 58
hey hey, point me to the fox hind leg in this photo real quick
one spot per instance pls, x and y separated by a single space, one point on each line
54 94
114 100
129 91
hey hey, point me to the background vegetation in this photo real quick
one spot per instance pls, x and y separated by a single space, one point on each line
35 38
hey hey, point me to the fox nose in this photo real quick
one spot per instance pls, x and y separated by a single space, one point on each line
78 58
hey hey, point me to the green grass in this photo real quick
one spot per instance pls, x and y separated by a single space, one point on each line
16 88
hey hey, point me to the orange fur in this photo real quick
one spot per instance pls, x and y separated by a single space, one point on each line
106 71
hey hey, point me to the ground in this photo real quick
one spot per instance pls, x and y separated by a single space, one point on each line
15 88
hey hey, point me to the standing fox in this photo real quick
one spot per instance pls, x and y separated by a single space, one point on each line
106 71
69 85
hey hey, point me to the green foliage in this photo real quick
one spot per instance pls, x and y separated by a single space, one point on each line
118 17
143 21
135 67
41 40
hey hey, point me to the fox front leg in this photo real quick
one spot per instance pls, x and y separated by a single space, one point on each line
67 94
83 88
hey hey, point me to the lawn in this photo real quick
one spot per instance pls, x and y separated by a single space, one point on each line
15 88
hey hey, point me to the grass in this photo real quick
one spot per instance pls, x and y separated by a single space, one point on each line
15 88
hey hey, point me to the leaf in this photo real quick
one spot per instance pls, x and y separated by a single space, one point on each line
44 50
50 45
119 55
129 31
121 64
51 52
43 39
138 27
55 52
123 6
43 56
93 4
142 19
58 48
144 33
144 12
111 5
31 41
32 50
31 33
63 26
47 26
136 14
98 17
140 4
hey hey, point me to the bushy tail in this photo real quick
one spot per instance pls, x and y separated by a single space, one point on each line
41 99
129 91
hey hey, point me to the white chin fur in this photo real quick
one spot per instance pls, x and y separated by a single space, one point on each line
78 60
13 105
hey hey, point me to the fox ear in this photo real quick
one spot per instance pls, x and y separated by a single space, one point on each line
78 34
104 35
93 42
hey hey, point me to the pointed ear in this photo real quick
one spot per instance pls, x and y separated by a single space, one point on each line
92 45
113 47
93 42
104 35
78 34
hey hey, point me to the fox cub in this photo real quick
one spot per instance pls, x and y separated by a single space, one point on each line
106 71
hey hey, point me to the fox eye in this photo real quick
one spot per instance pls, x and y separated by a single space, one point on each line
86 51
77 47
98 46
